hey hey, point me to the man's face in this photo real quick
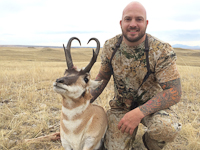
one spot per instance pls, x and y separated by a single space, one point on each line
133 24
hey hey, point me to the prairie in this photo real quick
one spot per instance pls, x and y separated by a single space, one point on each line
30 108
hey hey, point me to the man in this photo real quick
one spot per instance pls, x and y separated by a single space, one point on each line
139 100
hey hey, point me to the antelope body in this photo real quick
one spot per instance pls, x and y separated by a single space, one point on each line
82 125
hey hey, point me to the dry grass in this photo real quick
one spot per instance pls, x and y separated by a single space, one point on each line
30 108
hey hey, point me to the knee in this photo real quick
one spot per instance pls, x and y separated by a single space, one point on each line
164 130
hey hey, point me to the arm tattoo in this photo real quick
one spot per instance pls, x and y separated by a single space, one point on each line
105 76
170 95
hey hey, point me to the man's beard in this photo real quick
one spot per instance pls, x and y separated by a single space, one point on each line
140 35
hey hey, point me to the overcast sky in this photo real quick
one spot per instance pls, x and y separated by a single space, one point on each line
53 22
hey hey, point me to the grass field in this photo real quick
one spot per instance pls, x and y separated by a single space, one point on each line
30 108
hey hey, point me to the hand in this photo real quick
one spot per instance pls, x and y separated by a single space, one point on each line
130 121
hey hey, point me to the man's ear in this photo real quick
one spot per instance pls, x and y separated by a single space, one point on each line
147 22
120 23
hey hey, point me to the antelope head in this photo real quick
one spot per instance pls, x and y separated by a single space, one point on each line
76 82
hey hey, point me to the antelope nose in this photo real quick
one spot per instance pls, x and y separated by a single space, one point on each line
59 80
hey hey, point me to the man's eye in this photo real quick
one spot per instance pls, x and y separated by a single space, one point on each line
139 19
127 19
86 80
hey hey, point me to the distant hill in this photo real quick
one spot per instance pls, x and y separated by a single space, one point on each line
29 46
37 46
185 57
185 46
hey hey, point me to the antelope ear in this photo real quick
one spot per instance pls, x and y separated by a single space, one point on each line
94 84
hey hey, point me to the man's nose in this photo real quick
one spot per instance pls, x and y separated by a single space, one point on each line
133 23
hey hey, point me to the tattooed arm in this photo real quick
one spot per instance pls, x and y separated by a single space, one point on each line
105 76
165 69
170 95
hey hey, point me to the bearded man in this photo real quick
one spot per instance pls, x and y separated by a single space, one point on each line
146 84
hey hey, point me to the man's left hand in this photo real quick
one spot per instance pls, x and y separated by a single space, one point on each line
130 121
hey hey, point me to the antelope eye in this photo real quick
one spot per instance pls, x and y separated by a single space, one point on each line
86 80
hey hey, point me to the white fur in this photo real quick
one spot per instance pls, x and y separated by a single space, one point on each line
73 91
70 113
94 84
89 142
84 139
72 125
76 141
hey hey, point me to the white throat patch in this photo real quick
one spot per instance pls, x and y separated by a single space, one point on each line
70 113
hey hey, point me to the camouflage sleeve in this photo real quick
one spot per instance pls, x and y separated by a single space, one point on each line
105 58
104 72
166 69
169 79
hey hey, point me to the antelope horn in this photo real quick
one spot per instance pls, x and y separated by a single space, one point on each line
94 57
68 53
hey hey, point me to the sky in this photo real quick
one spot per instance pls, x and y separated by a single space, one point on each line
54 22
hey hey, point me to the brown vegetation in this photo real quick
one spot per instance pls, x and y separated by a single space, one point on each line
30 108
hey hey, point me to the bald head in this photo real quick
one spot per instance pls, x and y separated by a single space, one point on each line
134 24
137 7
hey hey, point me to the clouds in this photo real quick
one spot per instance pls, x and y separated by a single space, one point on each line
182 35
49 22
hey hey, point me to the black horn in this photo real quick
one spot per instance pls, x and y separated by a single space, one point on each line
68 53
94 57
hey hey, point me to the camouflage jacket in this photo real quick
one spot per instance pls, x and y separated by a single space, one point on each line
129 69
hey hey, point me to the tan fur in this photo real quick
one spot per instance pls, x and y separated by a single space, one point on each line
63 126
63 116
94 111
82 124
77 102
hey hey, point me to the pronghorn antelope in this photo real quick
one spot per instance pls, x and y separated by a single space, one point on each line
82 125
